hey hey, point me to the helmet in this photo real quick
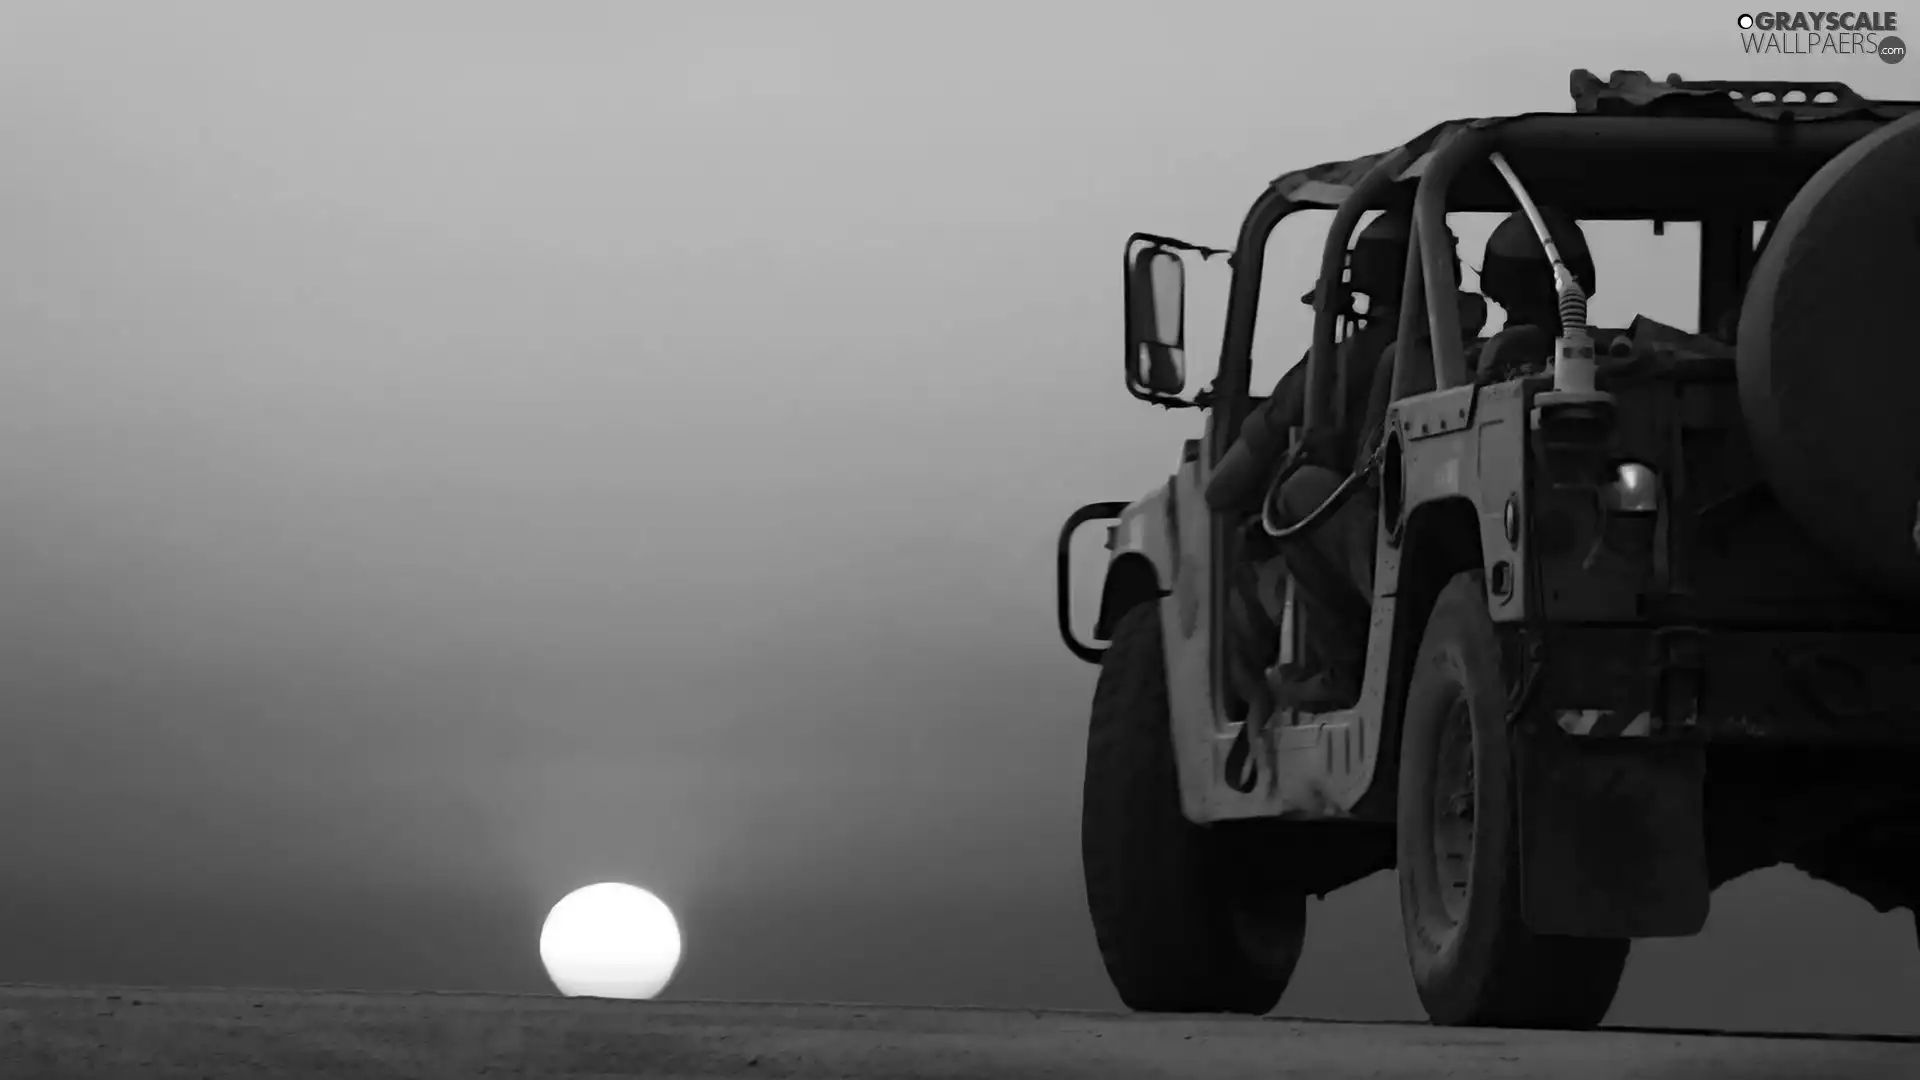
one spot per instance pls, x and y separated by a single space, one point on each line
1516 273
1378 262
1377 265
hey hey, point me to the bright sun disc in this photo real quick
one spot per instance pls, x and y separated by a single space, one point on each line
610 940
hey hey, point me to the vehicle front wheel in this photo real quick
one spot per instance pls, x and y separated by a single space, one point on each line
1185 920
1474 961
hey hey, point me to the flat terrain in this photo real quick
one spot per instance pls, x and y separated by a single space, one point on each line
103 1033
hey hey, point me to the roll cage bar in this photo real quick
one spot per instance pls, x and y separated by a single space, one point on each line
1631 167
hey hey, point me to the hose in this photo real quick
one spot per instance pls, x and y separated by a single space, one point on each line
1269 521
1573 365
1573 300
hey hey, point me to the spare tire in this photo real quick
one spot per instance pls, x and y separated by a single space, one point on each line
1830 372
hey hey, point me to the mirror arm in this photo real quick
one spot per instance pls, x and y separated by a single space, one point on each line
1200 400
1202 250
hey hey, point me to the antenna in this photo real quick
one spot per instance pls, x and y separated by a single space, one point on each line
1573 362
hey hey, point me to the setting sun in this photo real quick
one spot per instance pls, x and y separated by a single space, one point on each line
610 940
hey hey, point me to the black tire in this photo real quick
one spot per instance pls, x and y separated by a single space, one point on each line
1183 923
1474 961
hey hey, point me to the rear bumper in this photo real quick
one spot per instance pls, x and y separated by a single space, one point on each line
1733 686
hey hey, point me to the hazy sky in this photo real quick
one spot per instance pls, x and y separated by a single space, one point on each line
451 453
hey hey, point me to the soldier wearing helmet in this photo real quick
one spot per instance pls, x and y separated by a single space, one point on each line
1517 274
1375 265
1332 564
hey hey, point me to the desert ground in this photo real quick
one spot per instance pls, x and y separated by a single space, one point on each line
105 1033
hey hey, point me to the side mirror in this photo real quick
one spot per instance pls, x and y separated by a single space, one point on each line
1156 298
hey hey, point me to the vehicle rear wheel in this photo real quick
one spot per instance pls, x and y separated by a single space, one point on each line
1184 919
1474 961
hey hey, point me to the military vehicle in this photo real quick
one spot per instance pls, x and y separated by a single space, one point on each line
1645 612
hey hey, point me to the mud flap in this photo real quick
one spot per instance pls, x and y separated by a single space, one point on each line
1612 833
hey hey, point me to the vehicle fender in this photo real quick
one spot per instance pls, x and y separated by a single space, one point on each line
1144 552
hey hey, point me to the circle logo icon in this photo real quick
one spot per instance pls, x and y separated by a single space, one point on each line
1746 22
1892 50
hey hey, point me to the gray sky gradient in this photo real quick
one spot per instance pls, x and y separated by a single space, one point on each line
451 453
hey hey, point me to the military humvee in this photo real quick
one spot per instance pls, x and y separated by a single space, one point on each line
1646 614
